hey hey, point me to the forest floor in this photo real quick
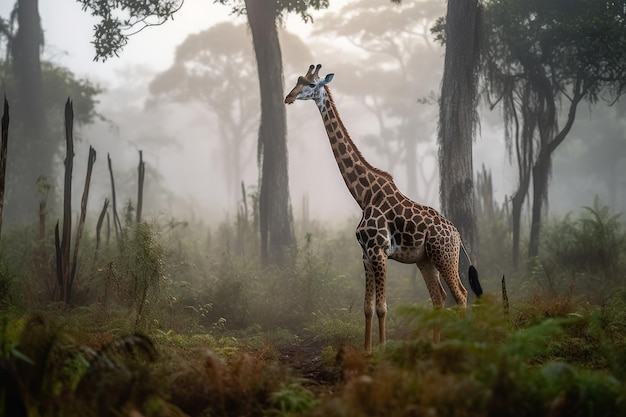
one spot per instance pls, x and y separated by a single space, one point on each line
305 361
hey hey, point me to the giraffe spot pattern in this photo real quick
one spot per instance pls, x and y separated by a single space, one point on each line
350 176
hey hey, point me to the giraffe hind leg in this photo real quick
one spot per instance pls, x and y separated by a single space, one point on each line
368 304
448 267
436 291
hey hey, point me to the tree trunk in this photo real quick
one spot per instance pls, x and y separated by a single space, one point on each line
517 203
275 214
524 153
541 172
33 154
541 168
457 117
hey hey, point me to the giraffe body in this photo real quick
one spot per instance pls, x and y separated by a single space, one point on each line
392 226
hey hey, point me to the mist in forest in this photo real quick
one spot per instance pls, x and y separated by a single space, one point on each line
186 94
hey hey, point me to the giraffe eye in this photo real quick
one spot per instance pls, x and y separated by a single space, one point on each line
312 85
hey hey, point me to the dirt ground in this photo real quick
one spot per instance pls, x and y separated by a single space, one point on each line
305 361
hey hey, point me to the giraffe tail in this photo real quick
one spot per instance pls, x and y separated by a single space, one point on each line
473 281
472 275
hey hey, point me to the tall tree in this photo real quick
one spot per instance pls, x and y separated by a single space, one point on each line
275 217
29 112
25 52
457 117
119 19
540 55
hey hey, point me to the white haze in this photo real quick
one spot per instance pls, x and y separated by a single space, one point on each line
187 158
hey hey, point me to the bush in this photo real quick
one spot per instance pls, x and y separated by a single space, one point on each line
586 253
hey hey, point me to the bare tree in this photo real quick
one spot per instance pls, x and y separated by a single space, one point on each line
276 220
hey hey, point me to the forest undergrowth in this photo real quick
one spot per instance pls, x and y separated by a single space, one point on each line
167 322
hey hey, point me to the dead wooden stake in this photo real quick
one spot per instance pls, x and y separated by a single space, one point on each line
505 298
103 212
91 159
142 172
67 203
116 220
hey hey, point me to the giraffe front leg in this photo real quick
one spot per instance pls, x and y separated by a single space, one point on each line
380 272
375 262
368 304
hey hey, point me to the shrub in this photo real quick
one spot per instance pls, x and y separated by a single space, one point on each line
586 253
137 274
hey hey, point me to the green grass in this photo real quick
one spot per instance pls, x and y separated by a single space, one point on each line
571 363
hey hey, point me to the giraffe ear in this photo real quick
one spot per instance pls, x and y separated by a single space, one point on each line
328 78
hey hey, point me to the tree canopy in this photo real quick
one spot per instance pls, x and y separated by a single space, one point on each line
120 19
300 7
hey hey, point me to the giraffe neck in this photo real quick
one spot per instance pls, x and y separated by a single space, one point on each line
359 176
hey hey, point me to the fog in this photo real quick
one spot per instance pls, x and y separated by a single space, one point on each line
185 158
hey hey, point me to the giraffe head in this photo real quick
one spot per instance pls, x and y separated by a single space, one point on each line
310 87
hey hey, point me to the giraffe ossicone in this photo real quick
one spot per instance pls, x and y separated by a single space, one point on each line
392 225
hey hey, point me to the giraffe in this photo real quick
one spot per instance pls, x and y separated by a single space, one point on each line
392 225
